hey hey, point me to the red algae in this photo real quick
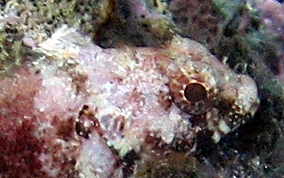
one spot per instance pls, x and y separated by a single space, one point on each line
24 145
19 152
19 148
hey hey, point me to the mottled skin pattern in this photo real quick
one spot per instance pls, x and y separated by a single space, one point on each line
202 86
135 99
217 99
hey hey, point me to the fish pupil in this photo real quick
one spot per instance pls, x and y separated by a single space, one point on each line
195 92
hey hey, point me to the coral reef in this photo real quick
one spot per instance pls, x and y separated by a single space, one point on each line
138 22
271 14
147 102
150 19
37 20
40 19
197 20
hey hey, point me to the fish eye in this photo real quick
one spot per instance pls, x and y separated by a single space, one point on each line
195 92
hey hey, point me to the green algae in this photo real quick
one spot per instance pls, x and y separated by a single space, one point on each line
38 19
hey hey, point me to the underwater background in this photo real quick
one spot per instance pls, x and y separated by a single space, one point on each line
90 88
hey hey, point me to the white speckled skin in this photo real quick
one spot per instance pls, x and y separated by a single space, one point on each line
136 92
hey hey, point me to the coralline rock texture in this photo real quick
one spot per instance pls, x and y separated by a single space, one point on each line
148 19
37 20
198 20
80 110
108 22
271 14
